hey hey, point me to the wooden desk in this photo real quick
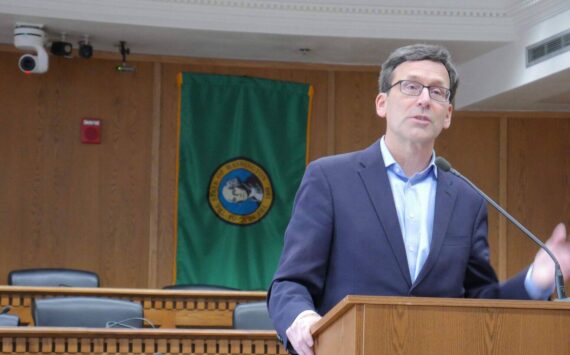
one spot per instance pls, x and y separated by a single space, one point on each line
164 308
48 340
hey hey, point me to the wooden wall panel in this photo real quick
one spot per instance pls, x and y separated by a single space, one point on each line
471 145
65 203
356 125
539 180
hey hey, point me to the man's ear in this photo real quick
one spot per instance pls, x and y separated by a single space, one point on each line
381 104
447 119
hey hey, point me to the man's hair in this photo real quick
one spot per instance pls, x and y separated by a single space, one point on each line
416 52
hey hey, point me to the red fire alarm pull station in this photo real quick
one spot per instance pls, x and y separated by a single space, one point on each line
90 131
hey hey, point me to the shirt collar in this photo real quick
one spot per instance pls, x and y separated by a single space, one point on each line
391 164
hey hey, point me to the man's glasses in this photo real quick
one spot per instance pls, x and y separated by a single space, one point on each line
413 88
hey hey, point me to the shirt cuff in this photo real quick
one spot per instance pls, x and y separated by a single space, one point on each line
534 291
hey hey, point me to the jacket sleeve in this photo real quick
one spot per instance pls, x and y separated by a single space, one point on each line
299 279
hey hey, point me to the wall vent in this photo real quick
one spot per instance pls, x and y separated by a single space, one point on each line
548 48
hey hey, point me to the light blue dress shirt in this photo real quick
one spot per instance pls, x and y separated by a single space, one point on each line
415 204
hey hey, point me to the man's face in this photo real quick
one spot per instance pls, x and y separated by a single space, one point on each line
415 119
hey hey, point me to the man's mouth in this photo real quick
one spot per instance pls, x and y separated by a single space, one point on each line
421 118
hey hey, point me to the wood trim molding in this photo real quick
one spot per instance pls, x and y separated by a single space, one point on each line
154 213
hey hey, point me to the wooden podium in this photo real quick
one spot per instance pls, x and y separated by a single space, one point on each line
367 325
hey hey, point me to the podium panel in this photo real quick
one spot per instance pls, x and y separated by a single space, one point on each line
409 325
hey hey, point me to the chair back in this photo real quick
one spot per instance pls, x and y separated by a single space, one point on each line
8 320
53 277
253 315
90 312
199 287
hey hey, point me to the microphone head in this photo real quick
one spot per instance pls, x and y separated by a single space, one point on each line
443 164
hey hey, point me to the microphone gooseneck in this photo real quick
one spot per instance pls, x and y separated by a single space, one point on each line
444 165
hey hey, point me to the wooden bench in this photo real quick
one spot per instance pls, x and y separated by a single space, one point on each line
44 340
164 308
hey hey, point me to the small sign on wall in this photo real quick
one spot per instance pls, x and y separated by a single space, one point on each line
90 131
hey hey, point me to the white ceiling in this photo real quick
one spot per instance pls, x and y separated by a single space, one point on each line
357 32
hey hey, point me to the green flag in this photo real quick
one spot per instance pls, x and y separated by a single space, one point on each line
242 154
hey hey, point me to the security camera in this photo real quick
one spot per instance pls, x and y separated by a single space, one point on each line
85 49
29 64
31 38
61 48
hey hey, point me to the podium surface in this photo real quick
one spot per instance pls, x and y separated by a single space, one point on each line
366 325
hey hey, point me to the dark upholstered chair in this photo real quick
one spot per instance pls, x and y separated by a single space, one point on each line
199 287
252 315
90 312
53 277
8 320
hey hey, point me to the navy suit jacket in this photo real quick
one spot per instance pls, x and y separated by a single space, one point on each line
344 239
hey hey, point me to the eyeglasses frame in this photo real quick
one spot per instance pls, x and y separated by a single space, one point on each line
448 91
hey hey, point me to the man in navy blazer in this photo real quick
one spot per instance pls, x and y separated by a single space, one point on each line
386 221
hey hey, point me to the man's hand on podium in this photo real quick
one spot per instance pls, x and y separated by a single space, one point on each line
299 333
543 266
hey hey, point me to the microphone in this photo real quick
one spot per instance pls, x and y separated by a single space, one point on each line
444 165
125 323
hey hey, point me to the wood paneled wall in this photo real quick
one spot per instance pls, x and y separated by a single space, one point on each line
110 208
538 189
64 203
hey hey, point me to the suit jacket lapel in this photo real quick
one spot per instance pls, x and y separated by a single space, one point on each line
373 174
445 196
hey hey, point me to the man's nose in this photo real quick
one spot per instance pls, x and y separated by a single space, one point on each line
424 97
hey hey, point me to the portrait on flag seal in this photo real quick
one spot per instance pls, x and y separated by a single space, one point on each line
240 192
